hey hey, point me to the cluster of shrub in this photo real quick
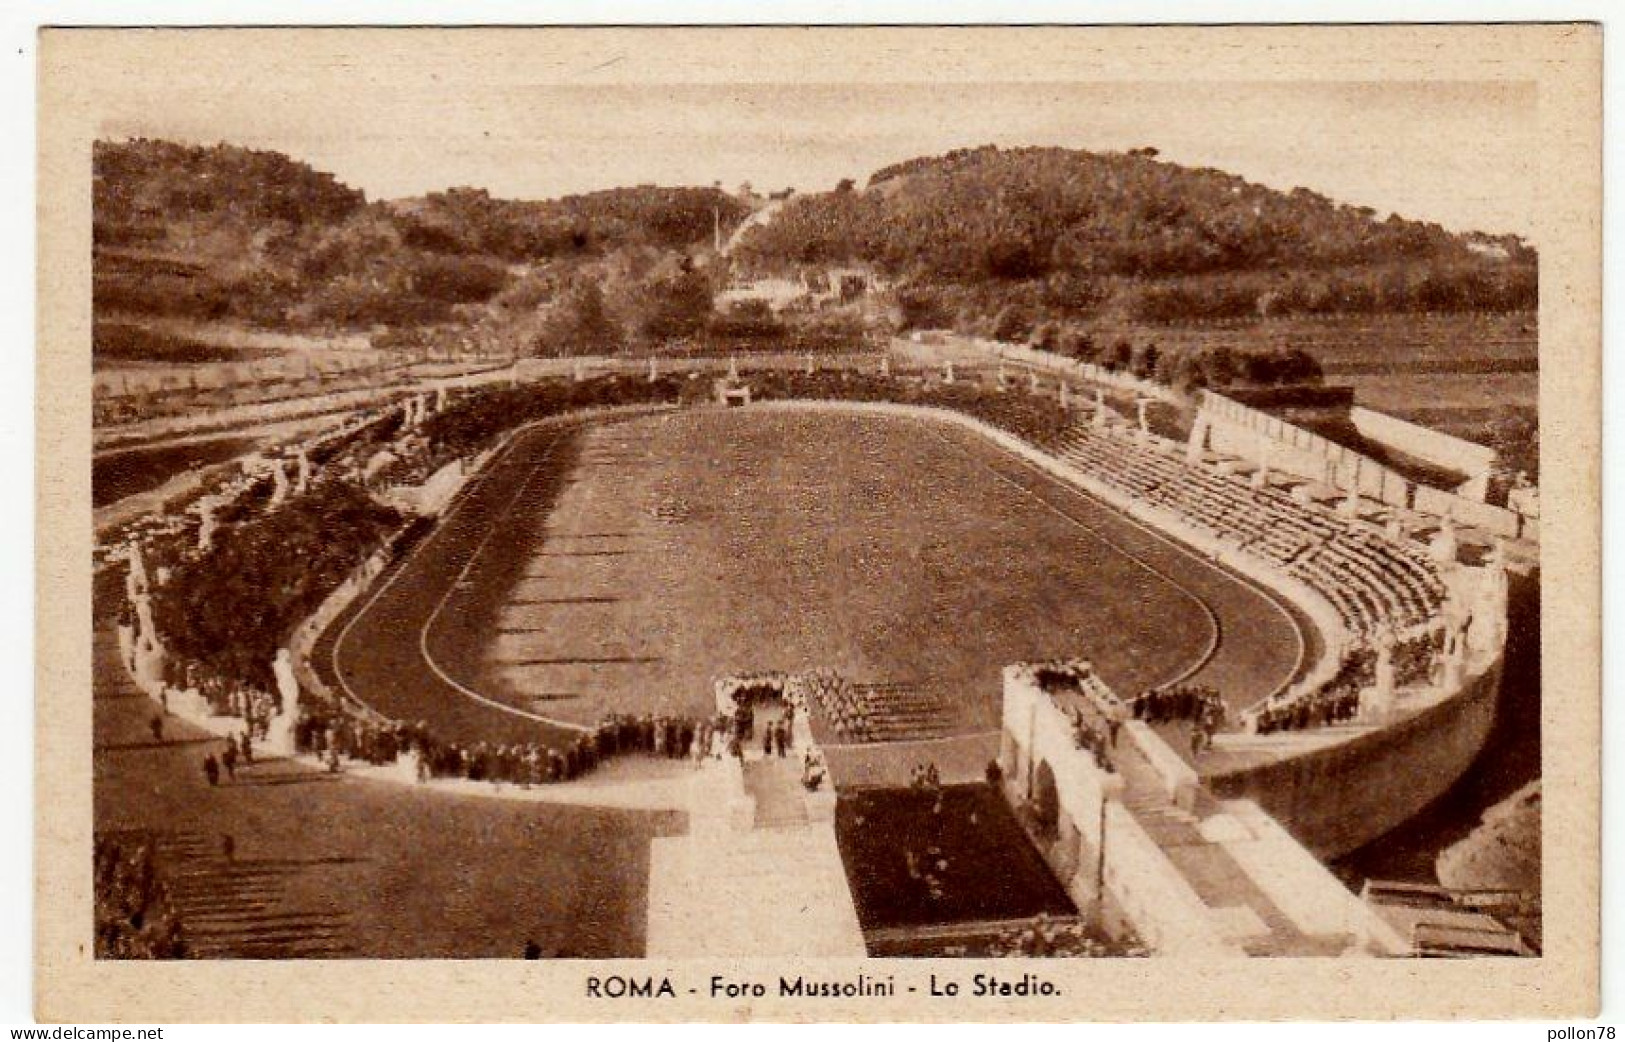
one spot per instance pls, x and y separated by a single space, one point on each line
1413 658
1095 739
1038 419
135 915
232 607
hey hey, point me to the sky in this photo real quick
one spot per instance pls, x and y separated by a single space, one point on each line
582 113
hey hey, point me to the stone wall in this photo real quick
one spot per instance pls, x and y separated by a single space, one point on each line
1424 443
1337 799
1038 756
1230 427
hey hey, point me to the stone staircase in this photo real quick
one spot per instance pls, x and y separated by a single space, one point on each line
237 909
765 883
1193 841
774 785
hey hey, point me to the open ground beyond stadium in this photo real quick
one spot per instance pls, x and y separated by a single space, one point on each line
623 566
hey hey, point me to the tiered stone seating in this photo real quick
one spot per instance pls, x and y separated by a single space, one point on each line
1371 581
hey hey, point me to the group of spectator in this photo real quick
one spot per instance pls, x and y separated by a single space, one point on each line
335 733
1336 702
227 697
135 918
1096 736
1196 704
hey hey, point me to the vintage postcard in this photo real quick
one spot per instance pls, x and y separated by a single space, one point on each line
856 524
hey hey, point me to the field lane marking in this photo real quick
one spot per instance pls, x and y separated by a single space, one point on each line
1213 645
440 527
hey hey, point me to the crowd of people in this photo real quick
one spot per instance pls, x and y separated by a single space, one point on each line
226 696
335 733
1196 704
1336 702
135 917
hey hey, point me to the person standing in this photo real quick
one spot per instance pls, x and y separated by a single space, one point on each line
211 770
229 760
248 749
157 725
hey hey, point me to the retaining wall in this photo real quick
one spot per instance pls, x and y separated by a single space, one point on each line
1142 885
1235 428
1338 798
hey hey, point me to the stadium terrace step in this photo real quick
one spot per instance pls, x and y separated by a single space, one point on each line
1240 908
235 909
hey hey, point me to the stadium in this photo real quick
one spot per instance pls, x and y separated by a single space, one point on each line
956 646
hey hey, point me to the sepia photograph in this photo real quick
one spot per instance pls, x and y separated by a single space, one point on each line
942 512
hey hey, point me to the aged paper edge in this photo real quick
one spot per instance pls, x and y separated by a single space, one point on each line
1565 62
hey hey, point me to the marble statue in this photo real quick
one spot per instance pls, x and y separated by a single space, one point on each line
1445 545
1385 665
1350 507
286 685
279 483
206 524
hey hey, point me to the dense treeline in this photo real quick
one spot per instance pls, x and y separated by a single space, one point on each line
996 242
232 608
1080 233
142 187
229 233
1185 367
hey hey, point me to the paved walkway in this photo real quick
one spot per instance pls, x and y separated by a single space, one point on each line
758 875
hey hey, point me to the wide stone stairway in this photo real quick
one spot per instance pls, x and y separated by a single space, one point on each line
1194 841
757 875
238 909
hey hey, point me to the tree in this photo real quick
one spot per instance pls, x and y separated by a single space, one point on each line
578 323
1012 323
1118 356
671 308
